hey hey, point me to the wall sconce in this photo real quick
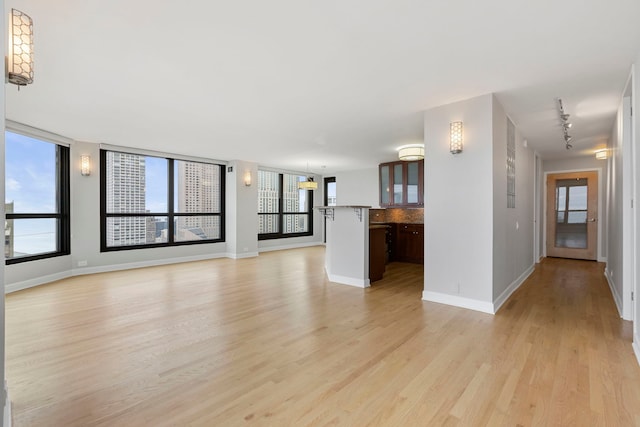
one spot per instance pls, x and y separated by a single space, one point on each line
20 58
602 154
85 165
247 178
411 152
455 137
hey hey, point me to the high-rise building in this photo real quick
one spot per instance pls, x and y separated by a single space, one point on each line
126 194
268 200
198 191
293 201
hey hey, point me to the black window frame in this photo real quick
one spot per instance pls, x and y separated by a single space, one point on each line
281 215
63 199
171 213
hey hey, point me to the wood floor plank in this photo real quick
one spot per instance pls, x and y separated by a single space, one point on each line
270 341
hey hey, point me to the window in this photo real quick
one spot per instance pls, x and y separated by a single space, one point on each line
151 201
283 209
36 199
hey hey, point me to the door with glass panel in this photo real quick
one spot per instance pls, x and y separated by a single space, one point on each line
572 215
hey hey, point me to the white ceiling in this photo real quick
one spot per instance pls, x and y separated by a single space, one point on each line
333 83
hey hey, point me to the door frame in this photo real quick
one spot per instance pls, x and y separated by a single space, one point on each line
590 251
602 219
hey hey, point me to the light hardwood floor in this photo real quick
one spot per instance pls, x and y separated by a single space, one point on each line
268 341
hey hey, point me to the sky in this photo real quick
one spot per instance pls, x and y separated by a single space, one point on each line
30 182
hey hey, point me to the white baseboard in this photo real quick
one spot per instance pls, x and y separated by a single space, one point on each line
142 264
471 304
243 255
511 289
614 292
351 281
18 286
636 347
291 246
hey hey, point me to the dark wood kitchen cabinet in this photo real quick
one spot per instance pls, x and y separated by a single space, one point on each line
409 243
401 184
377 251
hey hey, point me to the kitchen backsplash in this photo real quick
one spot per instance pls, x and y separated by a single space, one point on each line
399 215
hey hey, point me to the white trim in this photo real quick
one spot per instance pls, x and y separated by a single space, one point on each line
291 246
351 281
243 255
30 131
18 286
142 264
614 292
511 289
602 259
468 303
153 153
636 347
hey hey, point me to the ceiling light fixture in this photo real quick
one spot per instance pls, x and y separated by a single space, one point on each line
20 57
411 152
564 117
602 154
309 184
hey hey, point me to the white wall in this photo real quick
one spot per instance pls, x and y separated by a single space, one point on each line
585 163
619 249
4 400
359 187
459 208
513 228
635 81
477 251
241 210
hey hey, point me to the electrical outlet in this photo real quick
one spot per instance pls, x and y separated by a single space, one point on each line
82 263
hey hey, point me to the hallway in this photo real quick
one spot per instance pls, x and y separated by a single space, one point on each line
269 341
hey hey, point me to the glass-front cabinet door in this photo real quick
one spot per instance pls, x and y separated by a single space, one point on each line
412 183
401 184
385 185
398 184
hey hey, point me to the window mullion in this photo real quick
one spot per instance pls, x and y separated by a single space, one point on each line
170 203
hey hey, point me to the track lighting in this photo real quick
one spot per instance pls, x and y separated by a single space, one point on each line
565 124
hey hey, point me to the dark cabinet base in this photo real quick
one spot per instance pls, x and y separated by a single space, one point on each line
377 253
408 243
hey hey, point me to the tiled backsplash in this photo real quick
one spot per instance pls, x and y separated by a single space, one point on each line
403 216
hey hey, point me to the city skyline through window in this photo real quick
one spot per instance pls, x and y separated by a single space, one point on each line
154 201
284 210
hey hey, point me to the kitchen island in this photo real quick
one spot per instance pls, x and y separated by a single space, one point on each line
347 250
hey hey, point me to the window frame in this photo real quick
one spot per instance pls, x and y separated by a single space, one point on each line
63 200
281 214
171 213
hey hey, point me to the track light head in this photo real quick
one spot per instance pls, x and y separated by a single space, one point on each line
565 117
567 125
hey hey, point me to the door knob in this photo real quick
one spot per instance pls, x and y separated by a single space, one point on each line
591 220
